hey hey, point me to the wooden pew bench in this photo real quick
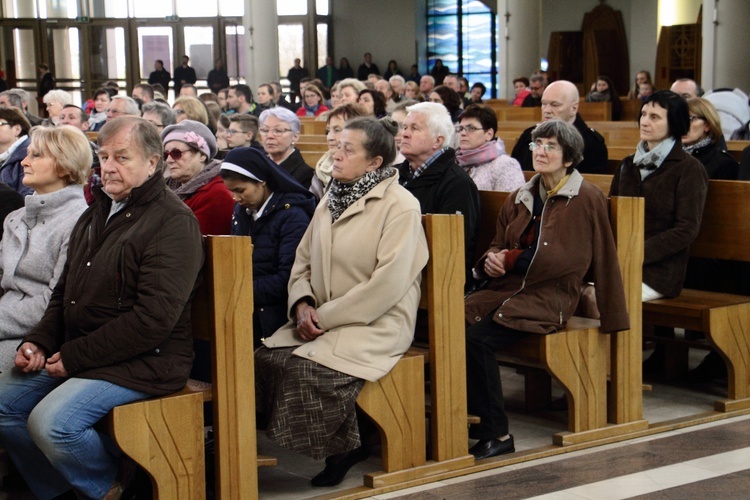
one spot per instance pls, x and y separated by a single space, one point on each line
723 318
397 401
578 357
165 435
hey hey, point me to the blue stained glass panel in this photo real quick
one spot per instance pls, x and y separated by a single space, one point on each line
460 32
442 7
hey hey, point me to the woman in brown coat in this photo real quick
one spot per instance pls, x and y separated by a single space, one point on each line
551 233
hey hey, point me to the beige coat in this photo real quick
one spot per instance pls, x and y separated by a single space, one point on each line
362 274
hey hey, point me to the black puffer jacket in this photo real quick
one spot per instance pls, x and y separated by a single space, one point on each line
121 309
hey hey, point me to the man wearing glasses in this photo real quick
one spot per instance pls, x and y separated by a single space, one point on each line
243 131
560 102
536 89
122 106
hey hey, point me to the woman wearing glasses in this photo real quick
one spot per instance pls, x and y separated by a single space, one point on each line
279 130
189 148
703 138
551 233
481 155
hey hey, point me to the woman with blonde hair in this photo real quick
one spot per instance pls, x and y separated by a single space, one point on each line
349 90
411 91
703 140
35 238
192 108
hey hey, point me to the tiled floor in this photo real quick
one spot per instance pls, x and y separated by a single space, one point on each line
690 463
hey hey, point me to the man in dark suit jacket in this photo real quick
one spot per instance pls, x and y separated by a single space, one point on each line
183 74
160 75
367 68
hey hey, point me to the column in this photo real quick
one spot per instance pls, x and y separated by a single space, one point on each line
518 50
261 42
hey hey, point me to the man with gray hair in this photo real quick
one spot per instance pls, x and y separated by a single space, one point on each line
536 89
122 106
158 114
560 102
432 175
19 98
398 84
426 84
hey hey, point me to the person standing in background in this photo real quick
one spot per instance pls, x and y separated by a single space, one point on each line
295 74
217 77
160 75
183 74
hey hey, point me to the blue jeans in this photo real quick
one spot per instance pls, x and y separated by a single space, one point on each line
46 426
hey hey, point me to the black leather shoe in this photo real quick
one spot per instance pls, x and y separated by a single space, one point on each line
333 474
488 448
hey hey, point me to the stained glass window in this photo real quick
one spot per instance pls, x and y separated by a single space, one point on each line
462 34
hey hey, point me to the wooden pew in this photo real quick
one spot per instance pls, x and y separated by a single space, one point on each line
577 357
312 157
165 435
312 126
400 407
595 111
723 318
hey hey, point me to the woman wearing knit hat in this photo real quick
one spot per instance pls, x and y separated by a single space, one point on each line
275 210
193 174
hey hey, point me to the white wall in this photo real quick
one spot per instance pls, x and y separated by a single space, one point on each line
385 28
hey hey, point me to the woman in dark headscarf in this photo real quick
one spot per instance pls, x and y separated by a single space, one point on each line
275 210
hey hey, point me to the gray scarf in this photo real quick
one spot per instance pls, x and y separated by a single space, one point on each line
648 161
185 191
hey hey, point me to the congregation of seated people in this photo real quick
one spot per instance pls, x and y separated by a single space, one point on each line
230 160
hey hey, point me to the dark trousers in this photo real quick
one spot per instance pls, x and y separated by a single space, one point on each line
484 391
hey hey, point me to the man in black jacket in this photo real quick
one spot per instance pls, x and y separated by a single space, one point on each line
432 175
183 74
560 102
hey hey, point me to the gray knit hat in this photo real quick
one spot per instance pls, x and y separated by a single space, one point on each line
194 134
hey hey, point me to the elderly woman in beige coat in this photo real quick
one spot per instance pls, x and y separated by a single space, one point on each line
353 298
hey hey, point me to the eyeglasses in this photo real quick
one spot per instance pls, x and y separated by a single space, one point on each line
231 132
468 128
693 118
548 148
176 154
4 123
275 132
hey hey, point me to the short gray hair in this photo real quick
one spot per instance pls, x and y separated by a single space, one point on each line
398 78
14 99
438 119
131 107
58 96
20 93
166 114
284 115
567 136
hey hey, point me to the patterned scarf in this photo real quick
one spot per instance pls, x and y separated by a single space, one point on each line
693 147
341 196
478 156
652 159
